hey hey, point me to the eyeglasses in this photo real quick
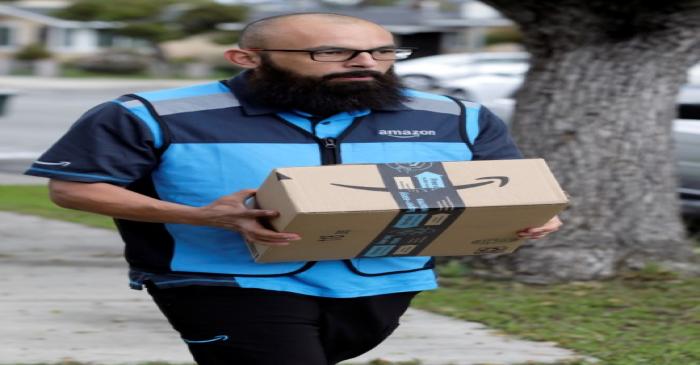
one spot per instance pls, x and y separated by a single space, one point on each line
344 54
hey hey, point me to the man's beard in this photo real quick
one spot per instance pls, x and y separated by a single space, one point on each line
276 87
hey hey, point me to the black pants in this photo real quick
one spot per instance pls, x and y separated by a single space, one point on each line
235 326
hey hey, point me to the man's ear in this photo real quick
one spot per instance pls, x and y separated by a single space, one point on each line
243 58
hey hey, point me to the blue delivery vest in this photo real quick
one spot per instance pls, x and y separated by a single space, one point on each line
196 144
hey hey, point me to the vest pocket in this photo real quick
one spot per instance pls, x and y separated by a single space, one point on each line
389 266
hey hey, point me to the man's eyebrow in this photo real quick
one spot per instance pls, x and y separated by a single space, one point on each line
325 47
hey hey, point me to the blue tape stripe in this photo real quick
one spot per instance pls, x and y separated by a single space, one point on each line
217 338
93 176
472 123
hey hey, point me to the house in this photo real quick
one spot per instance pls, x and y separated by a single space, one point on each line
427 25
30 22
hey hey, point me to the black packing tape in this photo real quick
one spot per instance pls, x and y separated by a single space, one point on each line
428 204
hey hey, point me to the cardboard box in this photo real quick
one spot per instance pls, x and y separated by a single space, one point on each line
409 209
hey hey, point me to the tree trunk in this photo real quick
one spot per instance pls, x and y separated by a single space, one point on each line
598 105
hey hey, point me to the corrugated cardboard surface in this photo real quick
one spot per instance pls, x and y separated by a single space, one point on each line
345 211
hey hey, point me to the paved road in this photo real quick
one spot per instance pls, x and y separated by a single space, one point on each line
43 109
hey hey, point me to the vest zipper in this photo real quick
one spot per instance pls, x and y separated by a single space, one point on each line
330 154
329 146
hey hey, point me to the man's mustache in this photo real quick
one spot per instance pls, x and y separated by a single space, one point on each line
373 74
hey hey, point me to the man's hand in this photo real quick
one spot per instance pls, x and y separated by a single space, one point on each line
538 232
231 212
227 212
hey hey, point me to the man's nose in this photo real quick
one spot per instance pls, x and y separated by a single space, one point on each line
362 59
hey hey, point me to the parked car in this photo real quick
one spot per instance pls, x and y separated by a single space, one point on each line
686 132
482 88
5 95
686 135
426 73
694 75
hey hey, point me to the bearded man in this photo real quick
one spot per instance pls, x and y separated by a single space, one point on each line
175 167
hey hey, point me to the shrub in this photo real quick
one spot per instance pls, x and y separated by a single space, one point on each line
503 35
32 52
113 62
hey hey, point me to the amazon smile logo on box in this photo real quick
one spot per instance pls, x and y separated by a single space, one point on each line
406 183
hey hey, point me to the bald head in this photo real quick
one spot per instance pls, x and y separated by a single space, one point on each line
290 41
258 33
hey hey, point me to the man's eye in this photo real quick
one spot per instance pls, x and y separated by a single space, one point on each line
331 52
385 51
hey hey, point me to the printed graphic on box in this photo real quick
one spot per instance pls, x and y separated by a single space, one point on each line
428 204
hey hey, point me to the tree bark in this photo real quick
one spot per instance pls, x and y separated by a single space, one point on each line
598 105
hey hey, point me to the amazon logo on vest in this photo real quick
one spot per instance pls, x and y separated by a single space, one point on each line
406 133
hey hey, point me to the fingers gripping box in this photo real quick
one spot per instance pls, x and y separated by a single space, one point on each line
407 209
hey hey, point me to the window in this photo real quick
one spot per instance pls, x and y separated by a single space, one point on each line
5 36
689 111
105 38
68 35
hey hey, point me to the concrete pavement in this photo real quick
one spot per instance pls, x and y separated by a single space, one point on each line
65 297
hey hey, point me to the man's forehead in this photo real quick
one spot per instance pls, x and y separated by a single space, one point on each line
310 19
317 31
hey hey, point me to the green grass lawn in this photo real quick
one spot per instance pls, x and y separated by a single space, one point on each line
647 318
650 317
34 199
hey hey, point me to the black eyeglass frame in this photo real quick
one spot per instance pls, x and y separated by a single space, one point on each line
355 52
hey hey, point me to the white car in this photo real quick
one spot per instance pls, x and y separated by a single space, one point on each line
482 88
426 73
686 133
694 75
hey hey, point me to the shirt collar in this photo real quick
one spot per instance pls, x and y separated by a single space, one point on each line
239 87
341 115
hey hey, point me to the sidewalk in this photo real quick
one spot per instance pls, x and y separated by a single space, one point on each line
19 83
66 297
